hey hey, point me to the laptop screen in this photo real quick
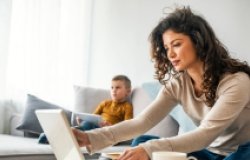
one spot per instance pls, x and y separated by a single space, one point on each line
59 134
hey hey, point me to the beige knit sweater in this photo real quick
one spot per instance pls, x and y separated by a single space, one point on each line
221 129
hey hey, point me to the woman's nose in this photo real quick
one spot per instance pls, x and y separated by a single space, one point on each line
170 53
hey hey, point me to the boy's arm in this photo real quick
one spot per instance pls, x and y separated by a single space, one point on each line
128 112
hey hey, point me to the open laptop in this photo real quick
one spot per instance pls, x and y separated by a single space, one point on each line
57 129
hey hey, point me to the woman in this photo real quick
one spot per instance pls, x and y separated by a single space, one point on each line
197 72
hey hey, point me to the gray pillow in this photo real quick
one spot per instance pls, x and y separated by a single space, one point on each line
30 124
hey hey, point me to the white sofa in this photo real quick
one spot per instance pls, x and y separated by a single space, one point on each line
13 144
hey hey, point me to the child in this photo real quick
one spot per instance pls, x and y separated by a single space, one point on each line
114 110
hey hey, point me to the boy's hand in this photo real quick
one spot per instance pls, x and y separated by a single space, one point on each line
81 137
78 120
105 123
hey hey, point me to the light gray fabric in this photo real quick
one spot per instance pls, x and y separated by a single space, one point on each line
166 128
15 120
29 157
88 98
12 147
7 107
30 122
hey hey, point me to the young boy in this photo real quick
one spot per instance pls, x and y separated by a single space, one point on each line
116 109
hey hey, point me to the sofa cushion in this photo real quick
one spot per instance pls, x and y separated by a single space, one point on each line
23 148
30 124
88 98
152 88
167 127
185 123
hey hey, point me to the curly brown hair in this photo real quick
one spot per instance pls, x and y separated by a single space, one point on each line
210 50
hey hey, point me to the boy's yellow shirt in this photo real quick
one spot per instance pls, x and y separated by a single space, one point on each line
114 112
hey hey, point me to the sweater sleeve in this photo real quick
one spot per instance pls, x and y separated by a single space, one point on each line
230 103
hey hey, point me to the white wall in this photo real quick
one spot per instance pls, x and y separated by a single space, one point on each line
121 28
5 10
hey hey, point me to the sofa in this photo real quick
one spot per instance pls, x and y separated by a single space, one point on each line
18 144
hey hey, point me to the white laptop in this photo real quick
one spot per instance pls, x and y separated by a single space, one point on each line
59 134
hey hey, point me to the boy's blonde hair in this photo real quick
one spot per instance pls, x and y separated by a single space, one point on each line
123 78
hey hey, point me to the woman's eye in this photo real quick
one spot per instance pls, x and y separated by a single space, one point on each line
176 44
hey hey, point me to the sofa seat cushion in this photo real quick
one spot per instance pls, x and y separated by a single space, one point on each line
21 145
15 147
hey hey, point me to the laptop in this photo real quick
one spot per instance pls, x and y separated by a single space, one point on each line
59 134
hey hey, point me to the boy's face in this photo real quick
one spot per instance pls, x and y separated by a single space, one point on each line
119 92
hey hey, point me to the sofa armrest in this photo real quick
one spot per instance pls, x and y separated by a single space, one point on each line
15 120
7 108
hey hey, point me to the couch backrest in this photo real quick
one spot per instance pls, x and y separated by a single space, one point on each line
87 98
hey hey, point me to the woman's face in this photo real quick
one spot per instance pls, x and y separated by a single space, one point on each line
180 51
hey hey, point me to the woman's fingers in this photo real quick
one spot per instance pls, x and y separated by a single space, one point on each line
136 153
81 137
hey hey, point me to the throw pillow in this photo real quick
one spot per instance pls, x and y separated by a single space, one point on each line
30 124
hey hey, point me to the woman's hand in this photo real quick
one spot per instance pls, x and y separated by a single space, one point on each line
105 123
81 137
136 153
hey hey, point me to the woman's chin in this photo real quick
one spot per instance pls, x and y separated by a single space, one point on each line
178 69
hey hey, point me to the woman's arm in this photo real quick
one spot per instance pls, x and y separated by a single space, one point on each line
233 97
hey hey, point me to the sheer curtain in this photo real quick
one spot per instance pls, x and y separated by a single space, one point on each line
48 48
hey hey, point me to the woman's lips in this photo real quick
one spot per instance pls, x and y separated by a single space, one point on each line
175 63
